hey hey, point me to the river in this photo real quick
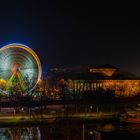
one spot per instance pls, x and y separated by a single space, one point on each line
68 130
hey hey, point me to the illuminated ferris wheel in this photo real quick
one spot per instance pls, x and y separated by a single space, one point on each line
20 68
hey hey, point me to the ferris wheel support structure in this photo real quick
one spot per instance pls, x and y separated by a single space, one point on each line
20 67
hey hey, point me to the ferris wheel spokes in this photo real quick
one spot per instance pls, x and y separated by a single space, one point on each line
21 67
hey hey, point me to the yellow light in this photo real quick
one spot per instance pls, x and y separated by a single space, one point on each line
29 50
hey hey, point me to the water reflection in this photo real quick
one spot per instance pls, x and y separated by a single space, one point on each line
73 131
17 133
133 128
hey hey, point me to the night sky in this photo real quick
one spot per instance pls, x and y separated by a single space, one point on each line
74 33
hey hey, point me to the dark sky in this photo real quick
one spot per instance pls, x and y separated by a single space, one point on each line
74 33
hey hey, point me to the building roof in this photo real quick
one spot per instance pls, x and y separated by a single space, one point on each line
98 76
87 75
106 66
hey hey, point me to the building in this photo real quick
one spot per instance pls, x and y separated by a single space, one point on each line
106 77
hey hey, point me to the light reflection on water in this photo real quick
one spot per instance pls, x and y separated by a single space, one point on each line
72 131
19 133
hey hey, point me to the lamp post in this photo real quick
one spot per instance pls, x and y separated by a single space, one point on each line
83 132
95 135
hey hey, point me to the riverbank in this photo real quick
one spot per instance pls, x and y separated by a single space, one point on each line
11 119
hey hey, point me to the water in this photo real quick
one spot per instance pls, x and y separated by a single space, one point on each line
72 131
20 133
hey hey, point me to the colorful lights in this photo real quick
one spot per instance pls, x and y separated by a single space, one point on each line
20 66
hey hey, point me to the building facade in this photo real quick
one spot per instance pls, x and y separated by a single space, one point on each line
79 80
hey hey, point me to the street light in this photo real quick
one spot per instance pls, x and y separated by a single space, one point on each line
91 134
95 135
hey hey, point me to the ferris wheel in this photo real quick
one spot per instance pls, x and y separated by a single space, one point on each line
20 68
